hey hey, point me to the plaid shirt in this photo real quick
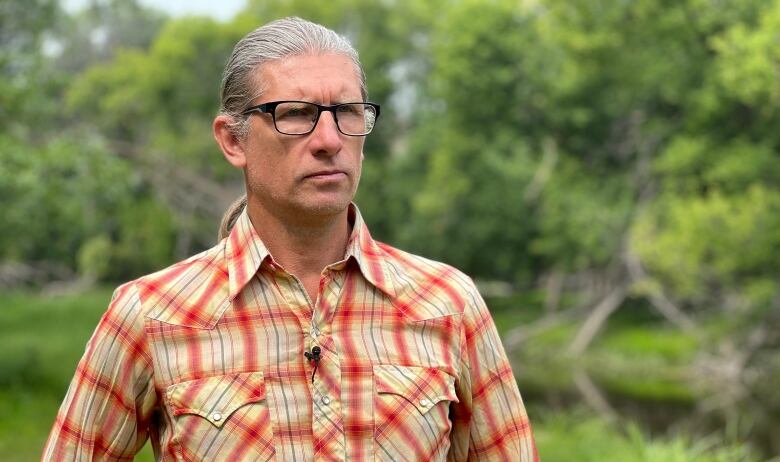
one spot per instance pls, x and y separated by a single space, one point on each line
206 358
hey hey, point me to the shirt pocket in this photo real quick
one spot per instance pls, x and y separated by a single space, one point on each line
224 417
411 412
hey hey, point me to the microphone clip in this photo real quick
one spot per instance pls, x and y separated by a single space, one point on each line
313 356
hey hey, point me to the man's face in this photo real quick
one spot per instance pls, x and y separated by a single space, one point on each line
304 176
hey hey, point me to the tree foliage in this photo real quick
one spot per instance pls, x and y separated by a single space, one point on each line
518 140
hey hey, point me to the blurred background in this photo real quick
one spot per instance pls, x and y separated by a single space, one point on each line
607 170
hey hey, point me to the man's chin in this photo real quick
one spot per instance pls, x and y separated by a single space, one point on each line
328 209
322 208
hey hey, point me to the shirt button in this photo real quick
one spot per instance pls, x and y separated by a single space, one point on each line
216 417
424 402
325 400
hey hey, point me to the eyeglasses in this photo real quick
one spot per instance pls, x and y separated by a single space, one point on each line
300 117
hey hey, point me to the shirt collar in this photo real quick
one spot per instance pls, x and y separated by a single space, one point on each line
368 254
245 252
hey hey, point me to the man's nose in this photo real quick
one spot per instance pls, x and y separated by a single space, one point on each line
326 138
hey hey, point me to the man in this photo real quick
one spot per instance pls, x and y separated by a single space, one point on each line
297 337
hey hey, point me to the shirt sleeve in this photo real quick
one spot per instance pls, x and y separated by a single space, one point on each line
489 421
107 409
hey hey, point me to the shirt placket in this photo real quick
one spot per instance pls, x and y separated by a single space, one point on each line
327 426
324 372
292 383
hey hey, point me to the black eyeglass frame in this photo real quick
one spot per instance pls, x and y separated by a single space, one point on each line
270 108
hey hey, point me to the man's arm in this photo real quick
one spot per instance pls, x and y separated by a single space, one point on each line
106 411
490 421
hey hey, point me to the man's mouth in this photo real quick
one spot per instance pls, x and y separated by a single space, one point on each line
326 175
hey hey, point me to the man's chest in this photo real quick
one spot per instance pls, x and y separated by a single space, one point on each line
386 366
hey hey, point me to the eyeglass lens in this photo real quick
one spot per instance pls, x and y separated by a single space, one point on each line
298 118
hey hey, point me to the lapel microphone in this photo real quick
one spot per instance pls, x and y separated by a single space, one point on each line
313 356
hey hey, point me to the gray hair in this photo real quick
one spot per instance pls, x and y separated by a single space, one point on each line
276 40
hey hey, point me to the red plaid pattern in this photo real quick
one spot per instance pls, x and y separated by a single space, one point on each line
206 359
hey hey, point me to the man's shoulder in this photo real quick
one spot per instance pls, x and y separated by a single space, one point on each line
419 267
421 282
198 265
190 292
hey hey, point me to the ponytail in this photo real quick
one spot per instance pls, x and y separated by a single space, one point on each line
230 217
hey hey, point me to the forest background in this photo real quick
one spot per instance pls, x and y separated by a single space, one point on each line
607 170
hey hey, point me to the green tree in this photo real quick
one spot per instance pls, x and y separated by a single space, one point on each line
22 34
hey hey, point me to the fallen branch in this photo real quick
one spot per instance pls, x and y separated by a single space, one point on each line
660 302
596 319
593 396
19 274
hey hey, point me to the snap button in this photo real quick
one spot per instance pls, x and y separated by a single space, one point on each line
424 402
325 400
216 417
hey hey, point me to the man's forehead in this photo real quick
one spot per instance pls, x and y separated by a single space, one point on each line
334 73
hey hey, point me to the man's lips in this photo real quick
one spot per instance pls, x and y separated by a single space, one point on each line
326 174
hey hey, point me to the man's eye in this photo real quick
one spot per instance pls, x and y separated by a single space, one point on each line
296 111
349 109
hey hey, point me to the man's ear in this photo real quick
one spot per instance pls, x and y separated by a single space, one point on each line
230 145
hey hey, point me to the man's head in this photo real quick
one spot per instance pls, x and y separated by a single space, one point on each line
300 176
276 40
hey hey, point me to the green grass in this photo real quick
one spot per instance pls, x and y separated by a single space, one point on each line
44 337
585 438
41 339
664 342
648 361
25 419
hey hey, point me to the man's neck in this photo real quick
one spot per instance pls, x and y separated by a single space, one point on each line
303 247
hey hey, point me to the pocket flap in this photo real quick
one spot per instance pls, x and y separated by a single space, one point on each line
216 398
421 386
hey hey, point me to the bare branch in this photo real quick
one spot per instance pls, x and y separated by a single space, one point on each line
596 319
543 171
656 296
593 395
